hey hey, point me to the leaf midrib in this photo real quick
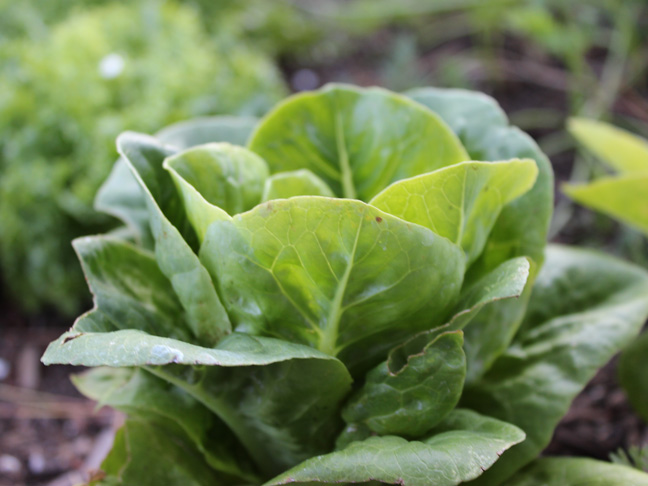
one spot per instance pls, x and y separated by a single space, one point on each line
330 334
348 189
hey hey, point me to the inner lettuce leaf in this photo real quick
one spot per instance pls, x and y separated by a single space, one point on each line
332 273
358 140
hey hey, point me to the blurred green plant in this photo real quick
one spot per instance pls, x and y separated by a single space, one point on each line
635 456
66 97
622 196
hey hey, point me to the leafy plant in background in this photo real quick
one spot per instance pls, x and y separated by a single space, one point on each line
623 197
346 299
67 96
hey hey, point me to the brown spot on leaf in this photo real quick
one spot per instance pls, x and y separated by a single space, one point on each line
70 338
378 219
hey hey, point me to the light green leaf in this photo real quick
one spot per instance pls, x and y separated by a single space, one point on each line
215 180
622 150
226 175
280 399
624 197
416 388
129 289
563 471
584 308
142 395
170 227
632 374
357 140
336 274
482 127
522 226
295 183
198 131
460 202
461 448
148 454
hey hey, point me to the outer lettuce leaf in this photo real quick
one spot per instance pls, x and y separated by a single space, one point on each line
623 197
295 183
522 226
149 454
565 471
199 131
280 399
336 274
575 323
463 446
416 388
129 289
357 140
142 395
623 151
121 195
482 127
173 236
633 375
460 202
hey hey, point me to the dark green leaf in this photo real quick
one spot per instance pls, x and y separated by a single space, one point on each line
584 308
563 471
169 226
414 389
461 448
147 454
280 399
520 230
142 395
633 365
129 289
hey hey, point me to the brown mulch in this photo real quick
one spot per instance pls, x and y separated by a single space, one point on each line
49 434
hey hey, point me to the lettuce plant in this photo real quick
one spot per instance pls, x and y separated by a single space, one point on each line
66 97
347 291
623 197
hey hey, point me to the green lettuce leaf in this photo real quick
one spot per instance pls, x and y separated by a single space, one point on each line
633 376
357 140
565 471
129 289
295 183
147 453
121 195
463 446
416 388
199 131
173 237
576 321
336 274
460 202
279 399
522 226
146 397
